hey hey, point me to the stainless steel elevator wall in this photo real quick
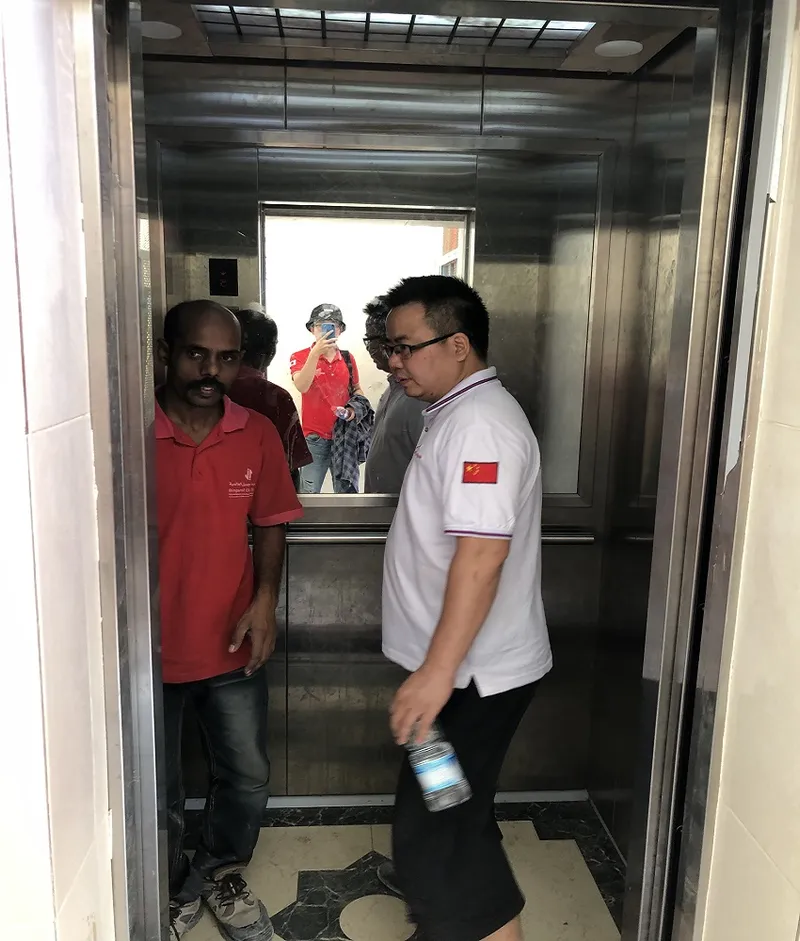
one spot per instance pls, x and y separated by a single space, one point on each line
576 185
654 170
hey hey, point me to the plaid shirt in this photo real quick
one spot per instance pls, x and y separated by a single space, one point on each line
351 441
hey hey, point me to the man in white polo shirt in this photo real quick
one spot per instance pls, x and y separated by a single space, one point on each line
462 604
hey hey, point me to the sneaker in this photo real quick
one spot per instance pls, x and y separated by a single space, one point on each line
183 918
388 877
240 915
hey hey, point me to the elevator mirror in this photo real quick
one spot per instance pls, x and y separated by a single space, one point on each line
346 258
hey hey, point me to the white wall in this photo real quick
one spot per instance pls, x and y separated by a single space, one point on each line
55 873
752 888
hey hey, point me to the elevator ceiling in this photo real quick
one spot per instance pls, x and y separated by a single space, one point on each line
390 31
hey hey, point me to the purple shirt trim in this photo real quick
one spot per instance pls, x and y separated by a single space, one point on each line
454 395
476 532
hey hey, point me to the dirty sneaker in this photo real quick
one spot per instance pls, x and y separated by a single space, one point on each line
183 918
240 915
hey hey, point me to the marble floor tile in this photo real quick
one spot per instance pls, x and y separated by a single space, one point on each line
376 918
282 854
323 896
327 816
382 839
513 831
563 902
518 833
319 882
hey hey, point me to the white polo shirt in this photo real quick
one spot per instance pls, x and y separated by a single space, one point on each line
476 472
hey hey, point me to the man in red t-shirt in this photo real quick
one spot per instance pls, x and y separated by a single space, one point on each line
253 390
327 379
218 467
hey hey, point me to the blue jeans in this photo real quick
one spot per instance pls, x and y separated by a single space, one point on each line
232 714
312 476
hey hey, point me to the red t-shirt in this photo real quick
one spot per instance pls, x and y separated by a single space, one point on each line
329 390
253 391
205 495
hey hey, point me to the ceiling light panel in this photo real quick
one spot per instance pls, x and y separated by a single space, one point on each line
514 35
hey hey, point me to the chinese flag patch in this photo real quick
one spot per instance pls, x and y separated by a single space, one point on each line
475 473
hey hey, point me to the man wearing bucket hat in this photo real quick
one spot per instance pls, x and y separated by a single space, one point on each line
327 379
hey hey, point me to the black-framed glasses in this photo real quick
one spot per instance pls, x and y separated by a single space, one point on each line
378 339
406 350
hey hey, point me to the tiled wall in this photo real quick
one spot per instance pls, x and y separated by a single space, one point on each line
55 870
753 886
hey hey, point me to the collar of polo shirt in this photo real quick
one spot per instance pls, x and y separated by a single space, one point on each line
466 385
234 418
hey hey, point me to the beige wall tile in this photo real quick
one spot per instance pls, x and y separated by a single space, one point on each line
753 844
46 179
53 694
65 537
749 899
24 823
781 396
77 919
762 768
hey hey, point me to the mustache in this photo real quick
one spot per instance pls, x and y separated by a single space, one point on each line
198 384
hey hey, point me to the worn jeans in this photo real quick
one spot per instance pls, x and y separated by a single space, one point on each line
312 476
232 714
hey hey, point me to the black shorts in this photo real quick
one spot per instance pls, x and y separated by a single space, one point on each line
451 864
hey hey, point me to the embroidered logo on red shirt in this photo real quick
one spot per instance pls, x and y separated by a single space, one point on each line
475 473
242 489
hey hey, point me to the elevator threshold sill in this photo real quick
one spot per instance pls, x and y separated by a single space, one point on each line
387 800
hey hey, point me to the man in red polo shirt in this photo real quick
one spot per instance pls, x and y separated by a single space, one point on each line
253 390
327 379
218 465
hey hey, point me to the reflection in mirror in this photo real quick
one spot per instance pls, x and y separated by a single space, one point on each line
324 272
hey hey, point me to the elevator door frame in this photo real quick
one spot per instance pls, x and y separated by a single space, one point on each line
688 422
695 390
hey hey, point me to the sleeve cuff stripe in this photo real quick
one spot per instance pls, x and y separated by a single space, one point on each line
478 532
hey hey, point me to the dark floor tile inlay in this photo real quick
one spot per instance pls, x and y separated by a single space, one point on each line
327 816
322 896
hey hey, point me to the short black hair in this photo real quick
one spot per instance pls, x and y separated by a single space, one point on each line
376 313
259 337
177 317
451 306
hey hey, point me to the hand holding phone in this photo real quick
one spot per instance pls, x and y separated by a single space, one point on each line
323 344
329 330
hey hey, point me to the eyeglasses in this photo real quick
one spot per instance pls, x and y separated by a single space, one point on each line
406 350
377 339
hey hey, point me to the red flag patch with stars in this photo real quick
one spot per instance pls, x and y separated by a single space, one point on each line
475 473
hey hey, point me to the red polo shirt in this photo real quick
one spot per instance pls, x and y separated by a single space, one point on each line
329 390
205 495
255 392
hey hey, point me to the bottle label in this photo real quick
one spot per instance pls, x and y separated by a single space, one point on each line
436 774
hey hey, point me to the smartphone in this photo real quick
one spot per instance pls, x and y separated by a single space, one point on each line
329 330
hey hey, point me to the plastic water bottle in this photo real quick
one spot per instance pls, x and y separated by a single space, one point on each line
438 771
